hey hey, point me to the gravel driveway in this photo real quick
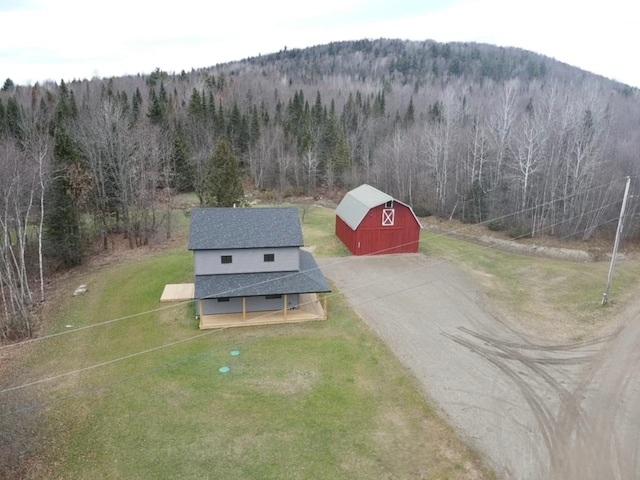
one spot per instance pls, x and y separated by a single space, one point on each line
533 411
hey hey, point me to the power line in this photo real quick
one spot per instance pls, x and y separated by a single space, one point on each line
286 328
230 292
190 338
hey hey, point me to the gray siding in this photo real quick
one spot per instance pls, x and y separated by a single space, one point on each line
254 304
249 260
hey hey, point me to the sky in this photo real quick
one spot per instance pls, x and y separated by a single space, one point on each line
44 40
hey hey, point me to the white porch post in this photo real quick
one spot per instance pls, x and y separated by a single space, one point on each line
285 306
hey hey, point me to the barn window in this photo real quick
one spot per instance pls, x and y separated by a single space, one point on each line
223 299
226 259
272 297
269 257
388 217
389 204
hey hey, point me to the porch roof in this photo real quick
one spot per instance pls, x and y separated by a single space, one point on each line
308 279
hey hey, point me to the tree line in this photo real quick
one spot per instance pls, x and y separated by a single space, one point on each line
463 131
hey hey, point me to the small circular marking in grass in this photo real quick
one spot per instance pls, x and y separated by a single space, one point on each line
224 369
235 353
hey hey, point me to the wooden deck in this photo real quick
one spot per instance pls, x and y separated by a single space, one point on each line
310 309
175 292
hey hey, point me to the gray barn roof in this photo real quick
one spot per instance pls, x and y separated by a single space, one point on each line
308 280
357 202
225 228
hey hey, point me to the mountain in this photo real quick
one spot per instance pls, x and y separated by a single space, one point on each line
460 130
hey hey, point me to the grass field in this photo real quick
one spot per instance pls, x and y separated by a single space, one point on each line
141 396
557 299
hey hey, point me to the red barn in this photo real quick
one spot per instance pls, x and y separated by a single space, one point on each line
370 222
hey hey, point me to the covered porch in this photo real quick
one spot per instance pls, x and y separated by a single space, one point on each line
312 306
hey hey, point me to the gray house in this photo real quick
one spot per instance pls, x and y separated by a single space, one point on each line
249 261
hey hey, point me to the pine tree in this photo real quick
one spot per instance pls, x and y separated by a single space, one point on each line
254 131
67 190
195 108
136 103
183 174
62 218
409 116
223 184
219 125
157 113
13 118
8 85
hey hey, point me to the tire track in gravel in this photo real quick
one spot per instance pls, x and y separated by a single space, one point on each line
568 411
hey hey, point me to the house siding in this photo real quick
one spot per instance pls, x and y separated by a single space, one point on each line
253 304
207 262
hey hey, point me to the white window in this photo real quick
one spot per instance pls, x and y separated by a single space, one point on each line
388 217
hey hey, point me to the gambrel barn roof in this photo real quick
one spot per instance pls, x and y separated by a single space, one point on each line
225 228
357 202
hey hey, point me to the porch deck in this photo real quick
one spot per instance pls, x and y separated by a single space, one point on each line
310 309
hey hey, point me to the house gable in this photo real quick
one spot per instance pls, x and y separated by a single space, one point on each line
246 260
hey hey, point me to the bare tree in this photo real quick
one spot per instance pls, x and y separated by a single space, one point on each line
36 144
18 190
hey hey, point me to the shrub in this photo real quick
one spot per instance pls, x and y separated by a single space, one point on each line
496 225
518 232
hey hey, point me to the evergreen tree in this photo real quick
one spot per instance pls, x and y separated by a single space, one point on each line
63 232
13 118
8 85
183 174
239 130
254 131
317 110
157 113
219 125
409 116
195 107
136 103
68 189
211 109
223 183
329 139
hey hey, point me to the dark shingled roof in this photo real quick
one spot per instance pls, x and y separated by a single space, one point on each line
224 228
308 280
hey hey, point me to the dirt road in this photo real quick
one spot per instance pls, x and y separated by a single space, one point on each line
534 411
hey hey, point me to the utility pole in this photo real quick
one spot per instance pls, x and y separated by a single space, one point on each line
605 295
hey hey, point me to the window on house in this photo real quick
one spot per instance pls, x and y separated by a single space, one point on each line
223 299
226 259
269 257
272 297
389 204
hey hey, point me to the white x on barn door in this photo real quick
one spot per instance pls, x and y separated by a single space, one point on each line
387 217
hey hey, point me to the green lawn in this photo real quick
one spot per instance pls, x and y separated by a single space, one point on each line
321 400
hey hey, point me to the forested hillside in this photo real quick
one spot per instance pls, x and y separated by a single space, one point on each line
466 131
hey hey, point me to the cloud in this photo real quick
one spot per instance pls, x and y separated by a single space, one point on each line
76 38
